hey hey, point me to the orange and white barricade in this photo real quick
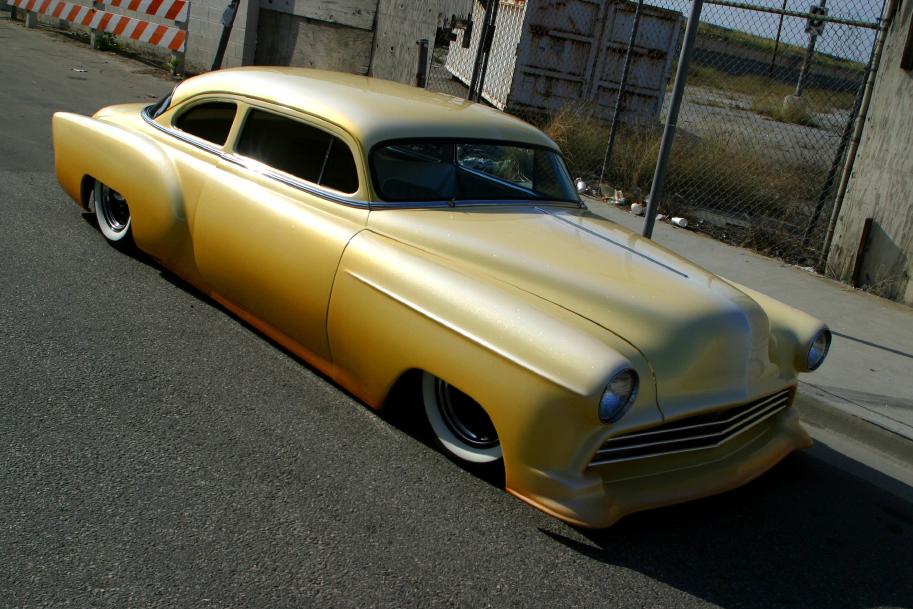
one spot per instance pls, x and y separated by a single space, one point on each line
174 38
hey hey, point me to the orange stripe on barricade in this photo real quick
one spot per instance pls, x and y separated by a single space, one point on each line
121 26
139 29
178 43
157 34
153 7
175 10
44 7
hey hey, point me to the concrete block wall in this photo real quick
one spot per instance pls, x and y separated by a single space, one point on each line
204 30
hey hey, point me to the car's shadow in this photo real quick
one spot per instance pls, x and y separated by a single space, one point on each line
806 534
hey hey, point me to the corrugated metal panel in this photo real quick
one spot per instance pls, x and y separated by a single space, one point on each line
547 54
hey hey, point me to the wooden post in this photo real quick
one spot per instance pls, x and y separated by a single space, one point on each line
906 62
860 251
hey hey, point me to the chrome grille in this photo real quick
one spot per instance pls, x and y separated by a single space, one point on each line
699 432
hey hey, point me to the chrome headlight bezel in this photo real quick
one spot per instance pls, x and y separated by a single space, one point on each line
617 399
817 351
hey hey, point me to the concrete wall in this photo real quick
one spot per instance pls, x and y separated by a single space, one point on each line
881 186
325 34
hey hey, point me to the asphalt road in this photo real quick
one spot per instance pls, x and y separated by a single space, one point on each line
155 451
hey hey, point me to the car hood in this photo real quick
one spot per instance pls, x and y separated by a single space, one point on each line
706 341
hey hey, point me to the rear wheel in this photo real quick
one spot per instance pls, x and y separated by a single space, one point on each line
460 424
113 214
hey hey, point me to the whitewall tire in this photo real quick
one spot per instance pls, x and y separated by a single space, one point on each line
460 425
112 214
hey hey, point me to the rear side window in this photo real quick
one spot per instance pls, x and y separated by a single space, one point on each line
299 149
210 121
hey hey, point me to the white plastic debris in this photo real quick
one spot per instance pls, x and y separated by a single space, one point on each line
680 222
637 209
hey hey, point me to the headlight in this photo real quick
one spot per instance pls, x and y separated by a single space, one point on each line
618 396
818 350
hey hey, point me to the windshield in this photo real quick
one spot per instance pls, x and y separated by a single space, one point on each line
439 170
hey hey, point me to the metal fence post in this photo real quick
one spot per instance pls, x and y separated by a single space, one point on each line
665 148
773 56
480 65
619 103
31 19
421 73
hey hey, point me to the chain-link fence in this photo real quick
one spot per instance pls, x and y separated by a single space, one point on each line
768 108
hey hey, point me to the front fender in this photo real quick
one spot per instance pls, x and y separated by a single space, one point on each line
792 330
133 165
538 370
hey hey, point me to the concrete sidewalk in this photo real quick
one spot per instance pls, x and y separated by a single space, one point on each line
864 390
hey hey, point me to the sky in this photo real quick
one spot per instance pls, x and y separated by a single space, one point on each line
839 40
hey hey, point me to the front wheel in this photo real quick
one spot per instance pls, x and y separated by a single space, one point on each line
113 214
460 424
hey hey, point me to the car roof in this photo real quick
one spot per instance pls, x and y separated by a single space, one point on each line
371 109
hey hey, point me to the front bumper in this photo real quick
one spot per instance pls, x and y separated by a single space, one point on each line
604 493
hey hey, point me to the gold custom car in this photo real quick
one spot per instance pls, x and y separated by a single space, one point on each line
387 234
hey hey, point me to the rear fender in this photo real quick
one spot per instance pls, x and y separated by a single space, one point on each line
133 165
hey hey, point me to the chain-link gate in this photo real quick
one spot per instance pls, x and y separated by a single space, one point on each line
772 92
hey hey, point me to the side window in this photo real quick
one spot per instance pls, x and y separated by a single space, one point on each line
210 121
299 149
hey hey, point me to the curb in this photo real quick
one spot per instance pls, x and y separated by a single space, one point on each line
827 416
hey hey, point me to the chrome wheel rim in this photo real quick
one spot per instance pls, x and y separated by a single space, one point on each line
114 209
464 417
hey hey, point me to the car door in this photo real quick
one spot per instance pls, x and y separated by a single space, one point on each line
271 226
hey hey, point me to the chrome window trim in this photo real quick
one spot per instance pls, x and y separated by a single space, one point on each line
306 187
612 241
471 203
239 160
